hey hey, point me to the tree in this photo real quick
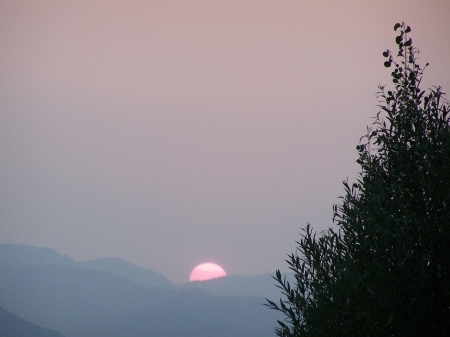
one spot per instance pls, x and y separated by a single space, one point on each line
385 270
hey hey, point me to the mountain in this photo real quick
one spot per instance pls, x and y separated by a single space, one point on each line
80 302
241 285
66 298
11 254
235 285
118 267
107 297
14 326
199 314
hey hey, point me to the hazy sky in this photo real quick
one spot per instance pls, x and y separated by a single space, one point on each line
174 132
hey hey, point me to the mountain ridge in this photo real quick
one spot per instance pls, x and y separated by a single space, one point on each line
261 285
14 326
87 301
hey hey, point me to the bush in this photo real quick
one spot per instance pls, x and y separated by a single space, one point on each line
385 270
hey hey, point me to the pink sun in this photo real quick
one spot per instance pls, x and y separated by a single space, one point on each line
206 271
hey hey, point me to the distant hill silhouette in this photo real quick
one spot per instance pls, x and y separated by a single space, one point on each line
240 285
66 298
236 285
200 314
111 297
14 326
11 254
118 267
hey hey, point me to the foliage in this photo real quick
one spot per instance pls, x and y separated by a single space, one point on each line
385 270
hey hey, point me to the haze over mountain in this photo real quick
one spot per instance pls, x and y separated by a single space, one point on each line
111 297
238 285
116 266
170 133
11 254
14 326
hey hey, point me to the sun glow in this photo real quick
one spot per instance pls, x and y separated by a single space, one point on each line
206 271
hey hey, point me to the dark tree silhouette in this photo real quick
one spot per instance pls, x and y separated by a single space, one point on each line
386 270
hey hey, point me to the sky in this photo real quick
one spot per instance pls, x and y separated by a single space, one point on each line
171 133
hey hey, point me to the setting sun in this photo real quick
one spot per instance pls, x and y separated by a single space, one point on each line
206 271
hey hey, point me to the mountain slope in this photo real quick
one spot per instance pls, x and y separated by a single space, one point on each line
196 313
240 285
14 326
111 297
11 254
118 267
66 298
80 302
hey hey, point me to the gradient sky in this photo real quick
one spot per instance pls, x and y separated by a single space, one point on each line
175 132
